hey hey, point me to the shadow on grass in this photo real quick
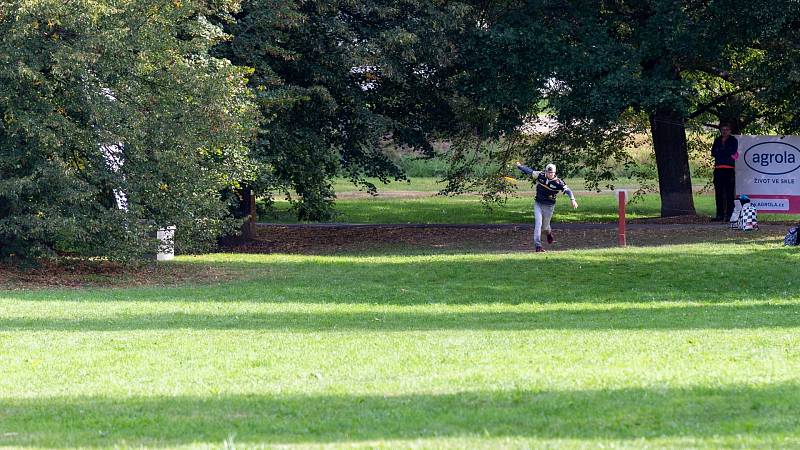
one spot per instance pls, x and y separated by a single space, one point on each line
734 412
717 316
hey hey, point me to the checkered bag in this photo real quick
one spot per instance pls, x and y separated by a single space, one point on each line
748 218
792 237
737 211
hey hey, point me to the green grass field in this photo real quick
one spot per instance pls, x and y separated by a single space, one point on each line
685 346
433 184
468 209
420 184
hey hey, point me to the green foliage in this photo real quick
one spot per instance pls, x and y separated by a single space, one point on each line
415 166
116 96
611 70
337 80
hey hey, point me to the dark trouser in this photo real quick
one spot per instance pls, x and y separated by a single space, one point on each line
724 188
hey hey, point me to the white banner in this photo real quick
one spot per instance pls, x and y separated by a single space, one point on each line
768 171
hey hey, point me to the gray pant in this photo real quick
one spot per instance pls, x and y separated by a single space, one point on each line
541 215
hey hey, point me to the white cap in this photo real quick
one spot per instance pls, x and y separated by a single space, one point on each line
550 168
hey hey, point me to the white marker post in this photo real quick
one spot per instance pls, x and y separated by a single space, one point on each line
166 243
622 198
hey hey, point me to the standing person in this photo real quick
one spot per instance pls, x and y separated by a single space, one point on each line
547 188
725 151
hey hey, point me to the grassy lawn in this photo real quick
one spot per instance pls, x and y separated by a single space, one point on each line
689 346
419 184
468 209
432 185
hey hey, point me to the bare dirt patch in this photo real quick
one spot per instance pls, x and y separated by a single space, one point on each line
76 273
332 239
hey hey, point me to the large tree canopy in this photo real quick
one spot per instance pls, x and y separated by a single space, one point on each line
148 97
476 72
336 80
610 70
99 98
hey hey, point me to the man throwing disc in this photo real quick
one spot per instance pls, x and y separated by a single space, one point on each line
547 188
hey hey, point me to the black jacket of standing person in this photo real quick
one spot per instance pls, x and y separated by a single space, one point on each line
723 152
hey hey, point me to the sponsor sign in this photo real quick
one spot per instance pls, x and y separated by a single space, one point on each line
768 171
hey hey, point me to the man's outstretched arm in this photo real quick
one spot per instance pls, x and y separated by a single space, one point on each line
527 170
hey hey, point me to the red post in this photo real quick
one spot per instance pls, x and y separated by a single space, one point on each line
622 197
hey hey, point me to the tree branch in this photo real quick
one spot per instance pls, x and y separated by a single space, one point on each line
704 108
713 71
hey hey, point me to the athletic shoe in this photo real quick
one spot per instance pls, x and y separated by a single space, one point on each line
550 238
539 249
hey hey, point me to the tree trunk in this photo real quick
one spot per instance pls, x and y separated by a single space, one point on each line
243 208
247 210
672 161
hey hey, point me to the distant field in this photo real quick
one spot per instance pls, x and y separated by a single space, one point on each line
416 202
430 184
425 184
469 209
